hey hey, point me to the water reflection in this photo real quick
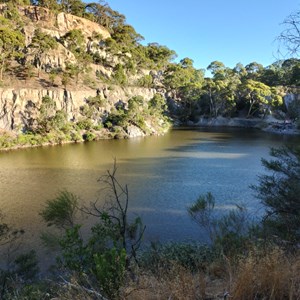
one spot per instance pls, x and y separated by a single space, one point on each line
164 175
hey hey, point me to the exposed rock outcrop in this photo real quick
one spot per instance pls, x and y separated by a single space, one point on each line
19 107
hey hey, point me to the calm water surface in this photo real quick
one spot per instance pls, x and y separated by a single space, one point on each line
164 175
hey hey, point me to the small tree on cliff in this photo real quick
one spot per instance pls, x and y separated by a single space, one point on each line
11 41
41 43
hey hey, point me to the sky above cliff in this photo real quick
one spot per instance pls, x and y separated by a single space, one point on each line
230 31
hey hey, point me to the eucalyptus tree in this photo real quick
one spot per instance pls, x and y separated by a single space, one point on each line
74 41
160 55
102 14
41 43
184 82
50 4
221 89
11 43
259 96
254 70
240 70
75 7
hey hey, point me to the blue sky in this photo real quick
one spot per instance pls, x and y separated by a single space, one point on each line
230 31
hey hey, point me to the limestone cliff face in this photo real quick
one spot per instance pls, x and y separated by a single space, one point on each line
20 107
20 104
57 25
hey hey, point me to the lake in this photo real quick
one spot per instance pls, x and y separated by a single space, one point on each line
164 174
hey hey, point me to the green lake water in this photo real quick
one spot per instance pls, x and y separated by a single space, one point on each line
164 175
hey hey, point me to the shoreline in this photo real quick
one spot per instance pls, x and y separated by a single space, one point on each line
273 126
269 125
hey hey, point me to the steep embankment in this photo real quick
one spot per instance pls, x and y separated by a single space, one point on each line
19 107
67 85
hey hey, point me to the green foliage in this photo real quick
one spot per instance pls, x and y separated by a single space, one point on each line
159 55
119 75
145 81
158 105
96 102
191 256
14 269
74 41
257 94
11 41
89 136
110 270
41 43
73 70
27 266
182 74
279 192
49 118
61 211
105 255
85 124
228 232
102 14
74 253
126 36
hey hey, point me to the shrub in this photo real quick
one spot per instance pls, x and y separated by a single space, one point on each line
191 256
85 124
279 192
102 258
228 232
89 136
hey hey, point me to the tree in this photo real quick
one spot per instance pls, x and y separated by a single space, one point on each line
126 36
257 94
279 191
111 247
119 75
254 70
160 55
11 41
75 7
41 43
74 41
104 15
290 36
50 4
217 69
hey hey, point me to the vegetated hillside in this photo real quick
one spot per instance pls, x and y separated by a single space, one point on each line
86 75
65 78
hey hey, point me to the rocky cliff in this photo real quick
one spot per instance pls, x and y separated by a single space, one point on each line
20 106
24 88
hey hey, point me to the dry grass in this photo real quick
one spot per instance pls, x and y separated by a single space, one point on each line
176 284
271 275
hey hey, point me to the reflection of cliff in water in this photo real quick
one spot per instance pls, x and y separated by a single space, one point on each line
164 175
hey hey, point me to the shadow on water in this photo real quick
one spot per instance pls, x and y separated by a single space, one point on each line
164 174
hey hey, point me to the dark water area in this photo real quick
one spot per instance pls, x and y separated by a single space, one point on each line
164 175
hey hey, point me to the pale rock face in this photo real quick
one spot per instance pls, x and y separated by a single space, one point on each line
20 107
289 98
57 25
134 131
